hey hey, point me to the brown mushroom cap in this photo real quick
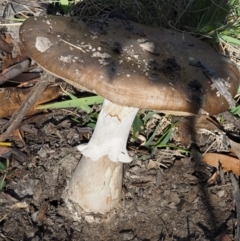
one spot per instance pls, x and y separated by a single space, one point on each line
131 64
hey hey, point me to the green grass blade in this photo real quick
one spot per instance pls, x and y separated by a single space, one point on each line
175 148
2 166
2 184
137 126
148 116
150 140
165 138
235 110
238 91
85 108
230 40
65 5
82 103
64 2
73 97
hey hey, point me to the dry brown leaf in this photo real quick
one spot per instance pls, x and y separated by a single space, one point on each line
20 173
9 59
18 136
227 163
212 179
11 98
4 150
235 148
206 122
223 237
184 132
4 46
42 212
188 126
152 165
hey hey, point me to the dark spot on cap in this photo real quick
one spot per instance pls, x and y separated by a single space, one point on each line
171 65
117 48
195 85
154 65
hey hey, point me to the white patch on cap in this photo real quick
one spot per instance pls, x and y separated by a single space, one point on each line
42 44
66 59
101 55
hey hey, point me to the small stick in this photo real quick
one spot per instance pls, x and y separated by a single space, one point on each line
18 116
14 71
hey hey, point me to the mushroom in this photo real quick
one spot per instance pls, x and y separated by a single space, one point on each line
132 66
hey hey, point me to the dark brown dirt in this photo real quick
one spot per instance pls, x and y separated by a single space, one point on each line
174 203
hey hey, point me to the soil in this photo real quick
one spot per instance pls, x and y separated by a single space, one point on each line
171 204
166 194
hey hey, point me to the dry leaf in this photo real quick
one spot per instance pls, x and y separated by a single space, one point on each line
11 99
4 150
188 127
4 46
212 179
16 57
235 148
227 163
223 237
18 136
152 165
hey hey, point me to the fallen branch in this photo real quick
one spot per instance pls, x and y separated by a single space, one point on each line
18 116
14 71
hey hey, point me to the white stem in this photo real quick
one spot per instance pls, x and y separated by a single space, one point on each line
111 133
96 183
96 186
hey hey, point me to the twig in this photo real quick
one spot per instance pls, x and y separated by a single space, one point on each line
18 116
10 24
14 71
77 47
